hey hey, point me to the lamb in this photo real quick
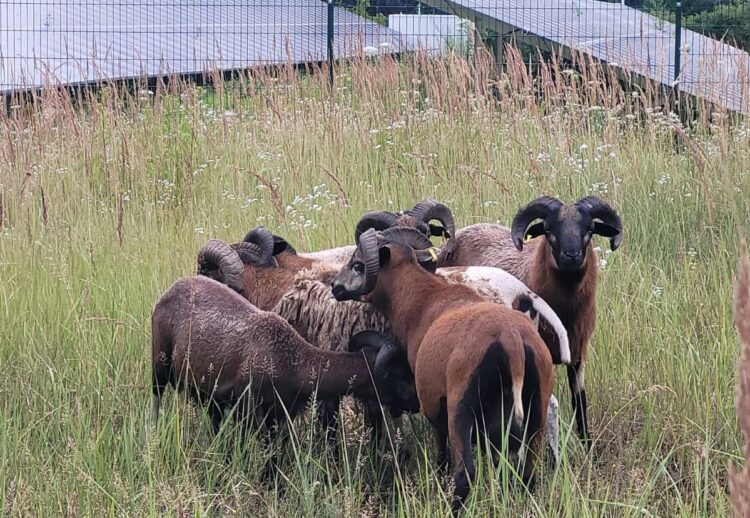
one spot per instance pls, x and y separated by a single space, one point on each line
209 340
475 363
561 268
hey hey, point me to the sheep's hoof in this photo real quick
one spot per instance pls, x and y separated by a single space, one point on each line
403 456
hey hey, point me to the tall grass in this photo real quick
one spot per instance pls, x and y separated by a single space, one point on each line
106 198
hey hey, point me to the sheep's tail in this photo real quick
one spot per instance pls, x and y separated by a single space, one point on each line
546 312
517 365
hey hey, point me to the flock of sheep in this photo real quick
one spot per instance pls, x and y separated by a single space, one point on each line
467 334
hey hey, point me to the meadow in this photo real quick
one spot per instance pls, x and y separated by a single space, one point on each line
105 200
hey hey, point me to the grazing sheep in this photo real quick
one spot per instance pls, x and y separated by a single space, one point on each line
497 285
209 340
561 268
475 363
297 288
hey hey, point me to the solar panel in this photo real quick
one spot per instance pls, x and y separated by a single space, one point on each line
83 41
628 38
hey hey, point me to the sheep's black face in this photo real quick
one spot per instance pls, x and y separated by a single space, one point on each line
360 274
350 281
397 389
568 233
567 228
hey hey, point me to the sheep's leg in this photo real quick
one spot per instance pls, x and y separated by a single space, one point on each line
460 424
440 431
328 417
160 378
403 456
441 442
494 419
578 392
216 413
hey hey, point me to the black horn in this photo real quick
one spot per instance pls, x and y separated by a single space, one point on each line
376 219
386 347
262 252
220 262
611 224
368 244
410 237
368 338
430 209
427 255
539 208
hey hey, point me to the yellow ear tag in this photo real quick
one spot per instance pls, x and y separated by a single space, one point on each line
433 254
526 238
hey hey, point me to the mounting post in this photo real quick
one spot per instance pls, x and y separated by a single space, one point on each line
329 43
677 39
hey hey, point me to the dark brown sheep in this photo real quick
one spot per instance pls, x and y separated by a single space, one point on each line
561 268
295 288
474 362
209 340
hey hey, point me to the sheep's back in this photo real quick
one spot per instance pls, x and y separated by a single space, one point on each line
486 244
322 320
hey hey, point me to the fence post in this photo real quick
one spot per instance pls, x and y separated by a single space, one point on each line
329 41
677 39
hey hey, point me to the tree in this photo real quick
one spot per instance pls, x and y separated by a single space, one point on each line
729 22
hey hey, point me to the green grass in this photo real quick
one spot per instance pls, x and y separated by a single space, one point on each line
133 186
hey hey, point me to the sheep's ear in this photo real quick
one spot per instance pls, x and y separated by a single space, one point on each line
613 233
281 245
428 259
439 231
385 255
535 230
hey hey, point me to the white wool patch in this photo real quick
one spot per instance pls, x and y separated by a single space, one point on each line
507 288
339 255
323 321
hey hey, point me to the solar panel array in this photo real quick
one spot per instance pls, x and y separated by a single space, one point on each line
628 38
83 41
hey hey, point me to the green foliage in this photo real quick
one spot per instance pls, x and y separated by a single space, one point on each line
730 22
363 8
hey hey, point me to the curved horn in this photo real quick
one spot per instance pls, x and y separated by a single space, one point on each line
432 209
407 236
368 244
263 239
601 210
220 262
377 219
539 208
387 350
368 338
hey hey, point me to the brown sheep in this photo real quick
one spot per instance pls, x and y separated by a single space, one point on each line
209 340
561 268
474 362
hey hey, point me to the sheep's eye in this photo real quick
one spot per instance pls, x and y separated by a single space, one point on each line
358 268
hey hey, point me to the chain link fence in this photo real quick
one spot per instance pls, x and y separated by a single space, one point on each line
698 46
